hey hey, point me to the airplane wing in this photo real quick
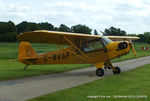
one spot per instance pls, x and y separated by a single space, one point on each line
55 37
122 38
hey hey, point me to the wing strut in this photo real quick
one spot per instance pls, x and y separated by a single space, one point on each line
69 50
89 59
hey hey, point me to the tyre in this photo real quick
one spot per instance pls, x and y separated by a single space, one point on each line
117 70
99 72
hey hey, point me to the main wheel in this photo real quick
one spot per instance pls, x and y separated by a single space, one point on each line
99 72
117 70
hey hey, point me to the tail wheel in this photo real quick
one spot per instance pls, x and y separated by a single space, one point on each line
25 68
99 72
117 70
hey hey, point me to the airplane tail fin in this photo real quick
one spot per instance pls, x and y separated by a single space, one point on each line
26 51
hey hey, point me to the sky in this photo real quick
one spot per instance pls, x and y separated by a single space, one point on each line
133 16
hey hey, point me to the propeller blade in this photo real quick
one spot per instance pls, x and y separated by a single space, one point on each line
132 47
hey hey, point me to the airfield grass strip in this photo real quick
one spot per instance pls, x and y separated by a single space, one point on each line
10 69
132 83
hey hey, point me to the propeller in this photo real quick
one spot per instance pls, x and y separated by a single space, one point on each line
132 47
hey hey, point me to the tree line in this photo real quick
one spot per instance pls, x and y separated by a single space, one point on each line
9 31
145 37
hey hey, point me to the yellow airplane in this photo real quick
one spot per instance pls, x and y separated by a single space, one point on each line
82 49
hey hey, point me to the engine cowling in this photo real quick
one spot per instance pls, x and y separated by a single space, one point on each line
122 45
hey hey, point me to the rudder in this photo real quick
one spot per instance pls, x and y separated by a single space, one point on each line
26 51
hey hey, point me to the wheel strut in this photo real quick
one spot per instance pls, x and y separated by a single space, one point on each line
116 70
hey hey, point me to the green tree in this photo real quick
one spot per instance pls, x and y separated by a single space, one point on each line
46 26
142 38
27 26
11 27
147 37
81 29
21 27
7 27
114 32
95 32
32 26
3 28
131 35
8 31
64 28
56 29
9 37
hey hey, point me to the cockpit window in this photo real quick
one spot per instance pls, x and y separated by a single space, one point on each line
105 40
92 45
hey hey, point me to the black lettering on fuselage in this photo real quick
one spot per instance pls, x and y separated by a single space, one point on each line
67 54
61 56
45 58
58 56
54 56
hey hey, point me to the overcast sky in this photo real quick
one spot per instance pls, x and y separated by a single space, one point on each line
133 16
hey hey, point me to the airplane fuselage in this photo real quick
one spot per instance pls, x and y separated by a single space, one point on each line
71 56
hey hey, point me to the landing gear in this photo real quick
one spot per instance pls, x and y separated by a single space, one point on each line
107 66
99 72
117 70
25 68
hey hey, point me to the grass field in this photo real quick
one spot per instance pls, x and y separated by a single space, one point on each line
10 69
135 83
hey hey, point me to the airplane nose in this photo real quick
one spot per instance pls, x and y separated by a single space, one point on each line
122 45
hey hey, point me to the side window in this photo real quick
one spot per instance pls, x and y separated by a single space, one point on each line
97 45
92 46
85 47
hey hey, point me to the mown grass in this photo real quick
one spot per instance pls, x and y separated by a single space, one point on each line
10 69
133 83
